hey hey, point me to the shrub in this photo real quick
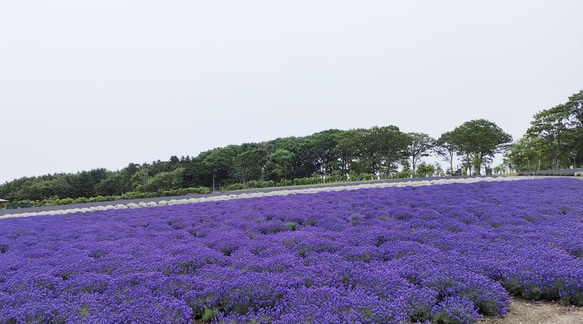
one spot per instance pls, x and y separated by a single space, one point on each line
65 201
366 176
234 186
284 183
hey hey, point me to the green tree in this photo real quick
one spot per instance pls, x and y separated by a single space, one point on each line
446 149
159 182
109 186
438 170
197 173
85 185
551 126
418 147
125 177
561 129
322 153
140 178
425 170
280 164
220 162
347 149
528 154
477 140
250 165
381 148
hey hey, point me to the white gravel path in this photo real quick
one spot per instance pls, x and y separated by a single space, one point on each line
291 190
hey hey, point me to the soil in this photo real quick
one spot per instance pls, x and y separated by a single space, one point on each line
528 312
537 312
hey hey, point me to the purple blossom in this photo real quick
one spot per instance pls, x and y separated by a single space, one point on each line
449 253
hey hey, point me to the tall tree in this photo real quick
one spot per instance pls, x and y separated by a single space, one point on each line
323 152
528 154
418 147
347 149
85 185
479 139
551 126
446 149
382 148
280 163
250 165
561 129
220 162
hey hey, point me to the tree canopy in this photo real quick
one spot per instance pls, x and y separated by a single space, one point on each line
554 138
379 152
477 140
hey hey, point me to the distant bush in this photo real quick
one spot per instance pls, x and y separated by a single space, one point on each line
102 198
23 204
307 181
132 195
261 184
366 176
65 201
199 190
55 200
284 183
234 186
560 172
405 174
336 178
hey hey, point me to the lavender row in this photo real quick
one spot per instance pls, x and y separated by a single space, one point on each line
444 253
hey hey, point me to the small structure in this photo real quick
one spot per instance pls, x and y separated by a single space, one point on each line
3 203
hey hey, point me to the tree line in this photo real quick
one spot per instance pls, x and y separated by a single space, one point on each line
554 139
328 156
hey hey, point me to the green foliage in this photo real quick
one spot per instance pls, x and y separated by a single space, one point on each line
280 163
330 156
559 131
405 174
65 201
128 195
250 164
418 147
307 181
366 176
235 186
446 148
199 190
284 183
425 170
478 139
209 314
327 156
381 148
261 184
528 154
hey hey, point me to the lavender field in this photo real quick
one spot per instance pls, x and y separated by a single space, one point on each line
441 254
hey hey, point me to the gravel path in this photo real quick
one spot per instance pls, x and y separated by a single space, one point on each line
537 312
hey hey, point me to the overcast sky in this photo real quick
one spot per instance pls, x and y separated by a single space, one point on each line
92 84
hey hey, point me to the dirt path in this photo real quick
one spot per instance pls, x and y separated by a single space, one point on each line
535 312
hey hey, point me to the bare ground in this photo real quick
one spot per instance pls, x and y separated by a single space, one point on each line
537 312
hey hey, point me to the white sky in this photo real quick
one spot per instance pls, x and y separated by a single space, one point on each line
91 84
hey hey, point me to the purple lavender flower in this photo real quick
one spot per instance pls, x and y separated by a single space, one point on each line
444 253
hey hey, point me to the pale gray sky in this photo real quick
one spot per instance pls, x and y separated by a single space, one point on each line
90 84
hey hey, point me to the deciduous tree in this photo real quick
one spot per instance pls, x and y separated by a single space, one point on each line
419 146
477 139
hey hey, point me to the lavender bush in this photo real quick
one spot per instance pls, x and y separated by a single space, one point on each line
442 254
